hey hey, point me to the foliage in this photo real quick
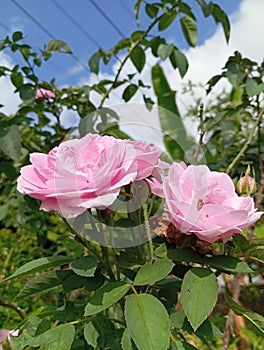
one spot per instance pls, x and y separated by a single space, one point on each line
164 294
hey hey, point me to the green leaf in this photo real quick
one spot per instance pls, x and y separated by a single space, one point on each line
85 266
105 297
126 340
17 79
165 50
10 144
27 93
129 92
58 338
151 10
179 60
148 322
40 265
94 62
166 20
256 319
198 295
17 36
189 29
221 17
228 264
3 211
187 255
90 334
253 88
138 58
153 272
183 345
43 282
58 46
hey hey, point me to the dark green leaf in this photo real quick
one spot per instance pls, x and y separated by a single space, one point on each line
40 265
17 79
138 58
17 36
187 255
27 93
43 282
221 17
179 60
166 20
129 92
10 144
198 295
189 29
153 272
94 62
256 319
148 322
228 264
151 10
85 266
105 297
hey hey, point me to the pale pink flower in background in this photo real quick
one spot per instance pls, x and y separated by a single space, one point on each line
5 335
147 158
79 174
204 203
44 93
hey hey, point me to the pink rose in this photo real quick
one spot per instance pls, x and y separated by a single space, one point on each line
5 335
147 157
79 174
204 203
44 93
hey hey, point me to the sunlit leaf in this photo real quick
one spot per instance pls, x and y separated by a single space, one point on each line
189 29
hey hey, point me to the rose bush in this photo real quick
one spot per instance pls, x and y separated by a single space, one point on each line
204 202
85 173
44 93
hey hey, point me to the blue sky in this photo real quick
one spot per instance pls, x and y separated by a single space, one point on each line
98 29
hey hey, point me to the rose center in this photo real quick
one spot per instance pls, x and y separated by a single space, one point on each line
200 204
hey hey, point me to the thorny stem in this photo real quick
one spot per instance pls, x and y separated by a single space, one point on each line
14 307
247 143
260 190
202 132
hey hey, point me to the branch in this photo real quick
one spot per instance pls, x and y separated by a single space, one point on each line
14 307
200 143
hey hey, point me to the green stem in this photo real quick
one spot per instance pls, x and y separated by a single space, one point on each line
145 213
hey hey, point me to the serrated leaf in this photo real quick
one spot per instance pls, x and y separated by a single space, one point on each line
17 79
43 282
39 265
126 340
148 322
256 319
198 295
58 338
10 144
151 10
58 46
229 264
90 334
85 266
17 36
183 345
165 50
27 93
129 92
105 297
138 58
187 255
189 29
166 20
150 272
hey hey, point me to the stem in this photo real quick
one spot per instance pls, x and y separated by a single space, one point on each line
145 213
202 132
14 307
247 143
140 40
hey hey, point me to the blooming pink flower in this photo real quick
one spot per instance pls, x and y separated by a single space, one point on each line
204 203
85 173
147 157
44 93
